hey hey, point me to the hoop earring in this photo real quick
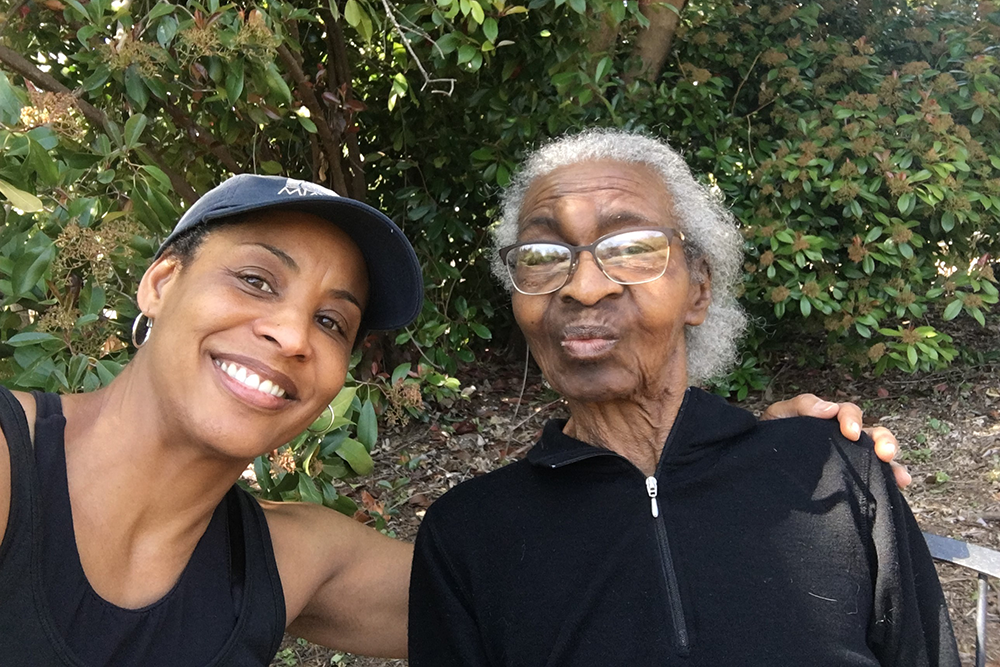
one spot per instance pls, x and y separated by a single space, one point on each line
146 328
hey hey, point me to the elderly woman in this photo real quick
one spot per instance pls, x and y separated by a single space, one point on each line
659 525
123 537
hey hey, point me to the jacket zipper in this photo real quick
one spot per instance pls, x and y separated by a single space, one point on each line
667 566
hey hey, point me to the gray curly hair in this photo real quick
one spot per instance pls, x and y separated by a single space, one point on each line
709 229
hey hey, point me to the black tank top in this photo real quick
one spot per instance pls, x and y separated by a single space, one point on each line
227 608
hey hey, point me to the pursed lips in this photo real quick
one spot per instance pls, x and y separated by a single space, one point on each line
587 341
257 376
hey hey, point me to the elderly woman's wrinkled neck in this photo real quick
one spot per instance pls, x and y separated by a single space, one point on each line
615 351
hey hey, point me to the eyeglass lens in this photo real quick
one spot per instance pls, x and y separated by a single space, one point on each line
628 258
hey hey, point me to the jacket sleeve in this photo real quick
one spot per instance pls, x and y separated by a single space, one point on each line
910 624
443 631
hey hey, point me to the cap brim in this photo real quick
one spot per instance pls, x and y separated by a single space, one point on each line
396 287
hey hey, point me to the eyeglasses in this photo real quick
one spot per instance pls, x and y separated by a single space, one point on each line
632 257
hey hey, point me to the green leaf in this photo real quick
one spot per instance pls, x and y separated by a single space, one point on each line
367 425
477 11
308 491
905 203
873 234
160 176
133 130
466 53
160 9
308 124
400 372
25 201
490 29
352 13
952 310
905 118
805 307
342 403
580 6
31 338
29 269
10 103
911 355
995 161
481 331
135 88
603 67
977 116
271 167
356 456
234 81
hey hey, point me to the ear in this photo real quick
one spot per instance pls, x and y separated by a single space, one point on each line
699 292
156 283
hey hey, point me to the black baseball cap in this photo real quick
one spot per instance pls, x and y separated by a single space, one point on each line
396 287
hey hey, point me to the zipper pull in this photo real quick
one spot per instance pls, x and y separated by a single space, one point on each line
651 491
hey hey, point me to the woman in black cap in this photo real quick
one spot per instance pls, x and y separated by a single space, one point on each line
123 537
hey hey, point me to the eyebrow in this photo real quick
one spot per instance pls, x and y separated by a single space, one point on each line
346 296
605 223
287 260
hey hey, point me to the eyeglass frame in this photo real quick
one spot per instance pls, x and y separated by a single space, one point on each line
574 256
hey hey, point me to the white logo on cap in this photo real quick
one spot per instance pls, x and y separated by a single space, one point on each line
304 189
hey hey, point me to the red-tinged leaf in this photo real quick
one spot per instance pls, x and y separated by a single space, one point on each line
371 503
330 98
941 387
464 427
361 516
883 392
356 105
271 112
254 98
419 500
374 368
198 71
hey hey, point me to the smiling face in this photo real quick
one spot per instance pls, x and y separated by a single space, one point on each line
253 335
594 339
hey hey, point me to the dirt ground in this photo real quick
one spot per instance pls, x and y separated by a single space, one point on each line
948 425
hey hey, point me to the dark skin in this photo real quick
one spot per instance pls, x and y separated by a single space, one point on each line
283 301
615 352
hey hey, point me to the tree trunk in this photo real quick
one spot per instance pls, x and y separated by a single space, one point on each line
653 42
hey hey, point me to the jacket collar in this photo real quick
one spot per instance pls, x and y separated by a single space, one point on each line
704 420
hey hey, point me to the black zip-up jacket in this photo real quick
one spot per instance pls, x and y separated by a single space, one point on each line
772 543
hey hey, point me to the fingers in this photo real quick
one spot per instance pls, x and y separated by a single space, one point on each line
886 446
903 478
849 416
803 405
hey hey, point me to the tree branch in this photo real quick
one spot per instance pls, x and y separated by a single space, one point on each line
428 80
201 135
331 145
21 65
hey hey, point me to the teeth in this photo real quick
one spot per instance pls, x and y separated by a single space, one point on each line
250 379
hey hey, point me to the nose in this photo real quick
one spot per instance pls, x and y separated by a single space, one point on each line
587 284
288 329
